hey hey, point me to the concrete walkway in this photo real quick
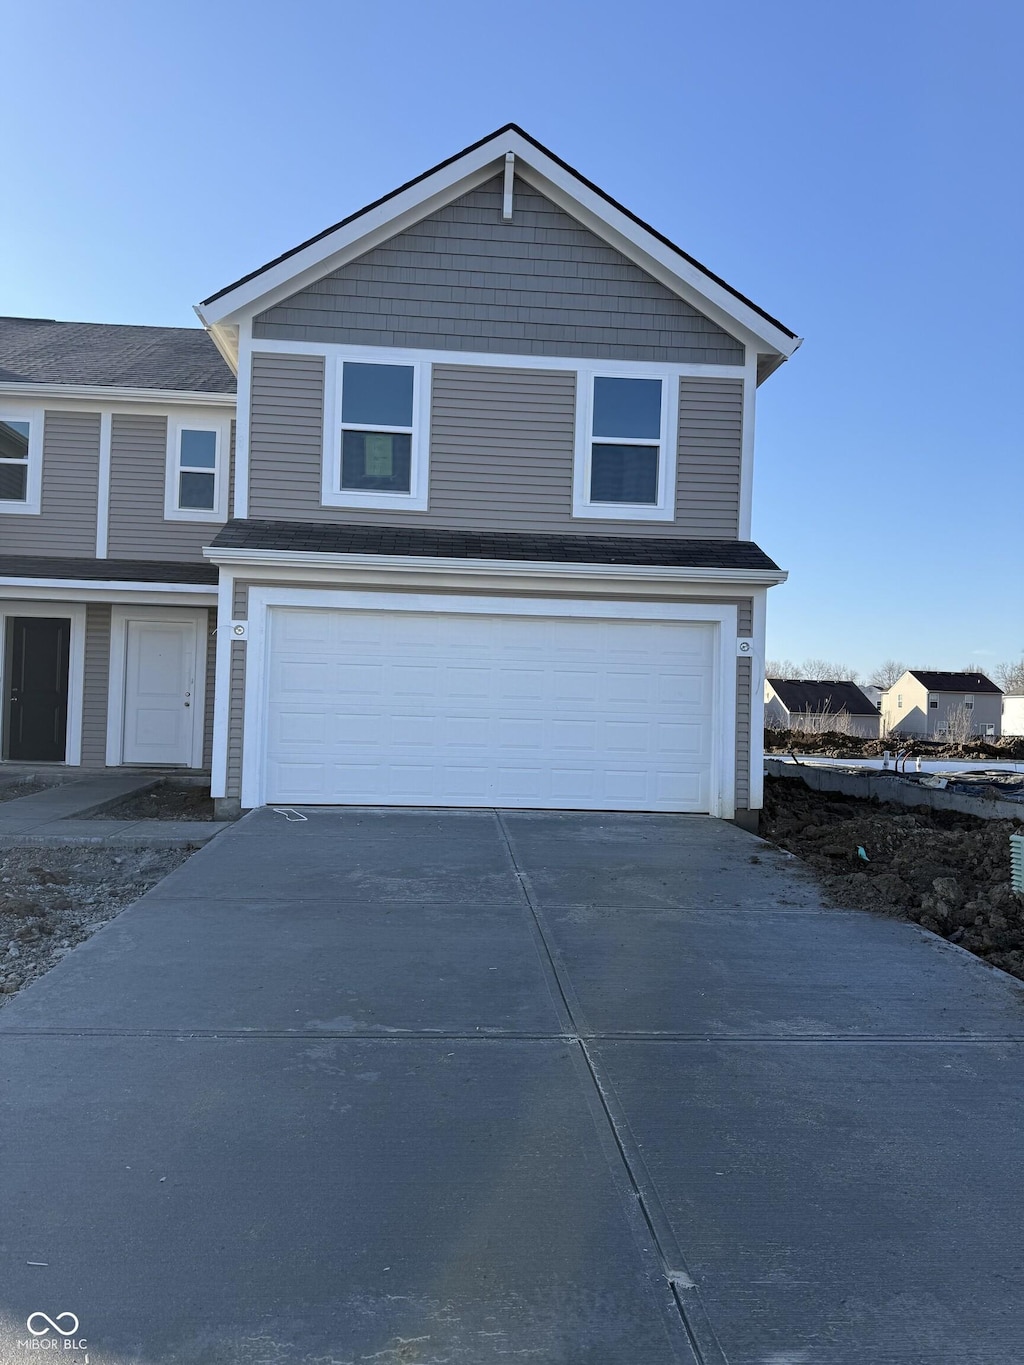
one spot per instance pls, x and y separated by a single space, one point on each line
462 1087
62 814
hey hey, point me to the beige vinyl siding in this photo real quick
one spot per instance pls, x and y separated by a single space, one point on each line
66 524
502 443
97 681
710 456
138 469
236 694
211 675
743 704
463 279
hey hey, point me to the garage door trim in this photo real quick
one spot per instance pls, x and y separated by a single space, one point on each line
720 615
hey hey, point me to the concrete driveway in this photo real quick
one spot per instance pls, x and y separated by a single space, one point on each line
467 1087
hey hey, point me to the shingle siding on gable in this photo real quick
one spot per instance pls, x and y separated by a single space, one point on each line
464 280
67 521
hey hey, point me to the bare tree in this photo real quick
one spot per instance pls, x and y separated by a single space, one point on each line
1010 677
827 669
783 668
959 724
887 672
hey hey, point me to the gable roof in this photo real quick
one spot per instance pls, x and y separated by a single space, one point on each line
805 694
44 351
450 178
953 682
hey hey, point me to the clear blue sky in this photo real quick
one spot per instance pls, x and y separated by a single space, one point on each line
854 168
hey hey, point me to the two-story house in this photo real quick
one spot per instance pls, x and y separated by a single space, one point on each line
487 504
931 703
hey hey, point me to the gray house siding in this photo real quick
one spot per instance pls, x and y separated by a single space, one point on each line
97 681
501 451
66 524
743 696
462 279
138 464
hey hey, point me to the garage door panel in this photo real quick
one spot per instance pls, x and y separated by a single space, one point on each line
402 707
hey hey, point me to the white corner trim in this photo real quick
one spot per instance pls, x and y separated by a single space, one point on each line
747 444
197 421
243 420
756 779
668 448
540 569
119 619
222 686
31 505
331 492
103 486
75 612
262 600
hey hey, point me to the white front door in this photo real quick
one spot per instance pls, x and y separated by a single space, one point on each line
159 691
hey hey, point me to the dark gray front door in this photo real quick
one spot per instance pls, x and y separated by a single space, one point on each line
38 650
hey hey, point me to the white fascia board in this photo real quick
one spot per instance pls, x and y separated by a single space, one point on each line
660 261
645 573
355 238
110 394
104 590
592 209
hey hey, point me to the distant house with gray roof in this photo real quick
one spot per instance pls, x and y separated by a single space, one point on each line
929 702
817 706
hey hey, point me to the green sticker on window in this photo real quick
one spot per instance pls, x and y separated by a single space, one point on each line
379 455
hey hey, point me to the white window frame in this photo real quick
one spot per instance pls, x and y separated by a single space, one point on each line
374 499
197 421
665 507
32 505
969 703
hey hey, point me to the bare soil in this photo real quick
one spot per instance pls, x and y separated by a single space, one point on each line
53 897
168 801
832 745
948 872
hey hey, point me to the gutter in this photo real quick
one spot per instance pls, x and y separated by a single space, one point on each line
641 573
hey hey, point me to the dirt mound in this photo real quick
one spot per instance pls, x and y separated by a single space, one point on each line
834 745
946 871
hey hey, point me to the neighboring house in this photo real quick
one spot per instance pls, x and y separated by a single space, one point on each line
926 702
1013 715
489 502
804 704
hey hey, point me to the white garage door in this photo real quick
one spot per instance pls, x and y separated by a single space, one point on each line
431 708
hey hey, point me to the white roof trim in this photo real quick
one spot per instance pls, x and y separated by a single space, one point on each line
112 393
549 569
466 172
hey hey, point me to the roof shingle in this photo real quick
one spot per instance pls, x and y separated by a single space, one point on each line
323 538
42 351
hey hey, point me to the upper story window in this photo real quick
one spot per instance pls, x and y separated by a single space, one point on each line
196 487
377 442
21 449
933 702
625 454
969 703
